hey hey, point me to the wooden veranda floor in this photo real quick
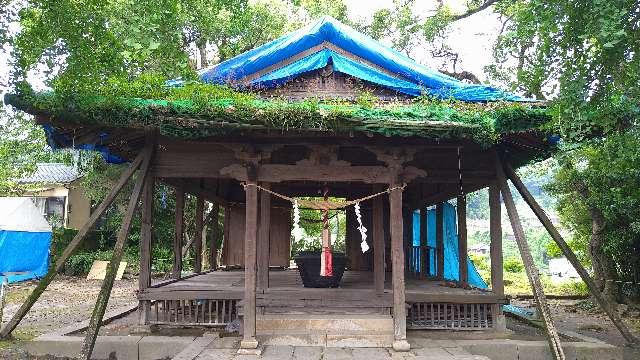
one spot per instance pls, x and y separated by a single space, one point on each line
230 284
215 298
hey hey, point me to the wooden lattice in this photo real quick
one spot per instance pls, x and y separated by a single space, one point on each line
194 312
425 315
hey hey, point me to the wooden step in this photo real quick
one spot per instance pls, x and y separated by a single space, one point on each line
328 324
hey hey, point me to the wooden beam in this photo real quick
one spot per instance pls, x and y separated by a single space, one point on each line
264 239
118 251
249 302
529 265
178 238
424 244
146 238
71 248
213 235
495 234
462 240
569 254
332 173
397 269
440 241
197 236
190 187
378 244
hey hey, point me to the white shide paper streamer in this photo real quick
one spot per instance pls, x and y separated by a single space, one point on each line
297 230
363 230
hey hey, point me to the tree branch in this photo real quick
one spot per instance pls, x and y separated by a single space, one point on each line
476 10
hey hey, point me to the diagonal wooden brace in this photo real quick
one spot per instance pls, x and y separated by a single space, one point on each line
569 254
529 265
70 249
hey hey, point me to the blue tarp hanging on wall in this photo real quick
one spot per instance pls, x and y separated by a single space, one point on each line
25 238
451 270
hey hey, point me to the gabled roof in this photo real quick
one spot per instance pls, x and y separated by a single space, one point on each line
52 173
350 52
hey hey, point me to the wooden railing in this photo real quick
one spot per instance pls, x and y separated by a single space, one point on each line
418 261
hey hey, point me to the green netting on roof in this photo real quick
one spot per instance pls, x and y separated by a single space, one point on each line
199 110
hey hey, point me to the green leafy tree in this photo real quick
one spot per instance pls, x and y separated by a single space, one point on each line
22 145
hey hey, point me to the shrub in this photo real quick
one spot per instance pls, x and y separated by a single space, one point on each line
513 265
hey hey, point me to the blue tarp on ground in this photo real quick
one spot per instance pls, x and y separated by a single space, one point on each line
451 271
325 42
25 238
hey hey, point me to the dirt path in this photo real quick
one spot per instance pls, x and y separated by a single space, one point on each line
66 300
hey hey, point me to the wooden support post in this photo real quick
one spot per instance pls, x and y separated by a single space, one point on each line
249 341
462 240
213 236
264 239
146 238
440 241
378 245
197 236
529 265
569 254
424 244
179 234
495 234
118 250
397 270
71 248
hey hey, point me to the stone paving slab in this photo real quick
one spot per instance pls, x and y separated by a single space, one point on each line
284 352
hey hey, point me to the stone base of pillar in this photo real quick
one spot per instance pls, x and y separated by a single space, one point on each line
249 347
144 308
401 345
500 323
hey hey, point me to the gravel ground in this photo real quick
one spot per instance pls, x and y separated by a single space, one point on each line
66 300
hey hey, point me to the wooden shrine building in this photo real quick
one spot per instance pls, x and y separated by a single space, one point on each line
324 107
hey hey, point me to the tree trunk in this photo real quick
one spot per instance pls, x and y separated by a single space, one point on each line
604 271
202 48
603 265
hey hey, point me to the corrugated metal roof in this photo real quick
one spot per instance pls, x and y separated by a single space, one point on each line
52 173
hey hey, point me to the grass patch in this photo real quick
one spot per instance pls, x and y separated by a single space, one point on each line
18 336
16 296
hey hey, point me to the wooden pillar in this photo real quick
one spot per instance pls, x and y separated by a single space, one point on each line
249 341
440 241
71 248
425 259
213 236
568 253
495 233
529 265
197 237
264 239
146 236
179 234
462 240
397 270
378 245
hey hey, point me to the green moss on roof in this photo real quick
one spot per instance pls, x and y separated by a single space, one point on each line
197 110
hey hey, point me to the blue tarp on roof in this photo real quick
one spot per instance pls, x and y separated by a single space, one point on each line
326 37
